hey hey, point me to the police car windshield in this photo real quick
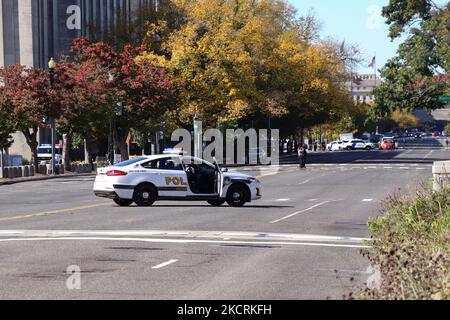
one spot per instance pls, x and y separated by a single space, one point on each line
129 162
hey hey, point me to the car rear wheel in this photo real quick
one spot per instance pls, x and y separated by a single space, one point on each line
123 202
145 195
368 148
237 196
216 203
348 148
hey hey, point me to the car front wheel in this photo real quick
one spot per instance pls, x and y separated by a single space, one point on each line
237 196
145 195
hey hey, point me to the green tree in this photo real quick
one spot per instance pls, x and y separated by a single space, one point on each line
7 126
417 76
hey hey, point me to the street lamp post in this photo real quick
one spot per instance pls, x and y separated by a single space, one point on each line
51 72
198 145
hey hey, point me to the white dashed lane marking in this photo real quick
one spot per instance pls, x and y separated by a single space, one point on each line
282 200
299 212
165 264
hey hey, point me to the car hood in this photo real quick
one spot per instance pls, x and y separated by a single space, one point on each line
237 175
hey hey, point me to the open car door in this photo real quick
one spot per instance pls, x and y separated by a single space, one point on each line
219 178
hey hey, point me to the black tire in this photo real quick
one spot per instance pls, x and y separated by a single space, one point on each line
145 195
368 148
349 149
123 202
237 196
216 203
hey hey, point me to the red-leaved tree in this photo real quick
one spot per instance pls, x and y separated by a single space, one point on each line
82 90
31 99
144 88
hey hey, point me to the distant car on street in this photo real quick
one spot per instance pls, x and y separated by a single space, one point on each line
387 144
334 146
358 145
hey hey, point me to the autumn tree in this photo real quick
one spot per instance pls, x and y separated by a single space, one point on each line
30 98
405 120
82 90
142 86
251 59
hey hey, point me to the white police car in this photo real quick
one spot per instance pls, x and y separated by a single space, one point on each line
358 145
147 179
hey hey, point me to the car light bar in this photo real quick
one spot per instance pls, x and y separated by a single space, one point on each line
116 173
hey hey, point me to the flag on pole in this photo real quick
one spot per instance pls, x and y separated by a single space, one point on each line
372 64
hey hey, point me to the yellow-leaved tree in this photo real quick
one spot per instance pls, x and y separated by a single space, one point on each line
258 58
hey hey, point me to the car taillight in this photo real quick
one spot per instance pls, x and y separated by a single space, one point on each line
116 173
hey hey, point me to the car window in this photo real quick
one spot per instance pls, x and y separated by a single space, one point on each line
129 162
48 150
164 164
203 168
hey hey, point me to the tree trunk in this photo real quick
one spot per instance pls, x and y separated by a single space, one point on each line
120 138
31 139
67 145
88 149
302 138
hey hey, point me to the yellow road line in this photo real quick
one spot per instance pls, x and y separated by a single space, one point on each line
48 213
268 174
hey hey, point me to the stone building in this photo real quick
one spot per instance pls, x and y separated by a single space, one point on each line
362 86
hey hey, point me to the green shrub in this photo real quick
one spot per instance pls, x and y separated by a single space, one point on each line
411 247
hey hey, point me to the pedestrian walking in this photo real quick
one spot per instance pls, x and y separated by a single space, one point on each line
302 155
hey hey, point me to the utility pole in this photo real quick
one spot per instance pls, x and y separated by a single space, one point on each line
51 72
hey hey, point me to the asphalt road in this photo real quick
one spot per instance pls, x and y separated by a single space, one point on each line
301 241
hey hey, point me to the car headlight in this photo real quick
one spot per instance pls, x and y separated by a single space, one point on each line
250 180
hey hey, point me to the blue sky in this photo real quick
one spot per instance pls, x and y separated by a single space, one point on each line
356 22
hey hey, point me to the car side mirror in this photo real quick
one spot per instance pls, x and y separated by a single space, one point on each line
223 170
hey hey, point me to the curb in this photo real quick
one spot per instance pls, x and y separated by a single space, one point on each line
10 182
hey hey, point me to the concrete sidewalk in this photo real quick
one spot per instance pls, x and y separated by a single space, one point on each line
39 177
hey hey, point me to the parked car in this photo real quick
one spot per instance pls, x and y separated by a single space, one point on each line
44 153
387 144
